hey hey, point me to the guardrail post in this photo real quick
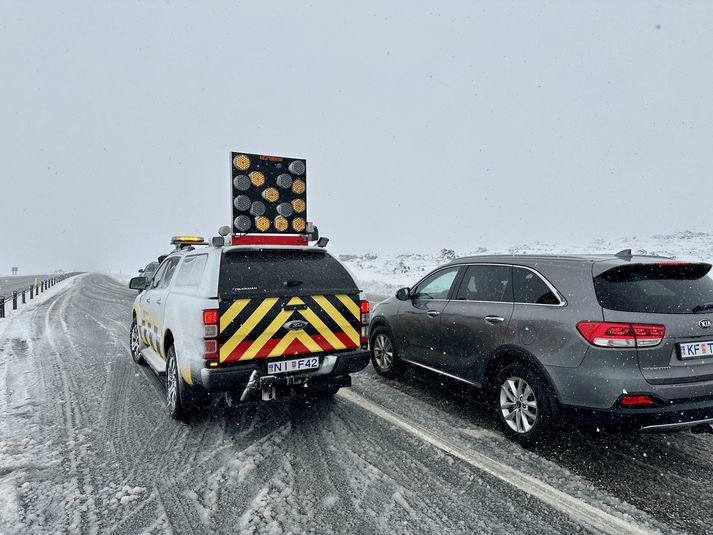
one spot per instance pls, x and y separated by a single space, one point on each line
14 300
23 297
2 307
32 287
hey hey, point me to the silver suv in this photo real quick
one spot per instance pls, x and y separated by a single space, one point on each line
618 340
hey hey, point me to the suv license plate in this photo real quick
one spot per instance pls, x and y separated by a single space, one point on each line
295 365
696 350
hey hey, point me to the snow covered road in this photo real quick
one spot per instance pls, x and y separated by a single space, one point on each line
86 446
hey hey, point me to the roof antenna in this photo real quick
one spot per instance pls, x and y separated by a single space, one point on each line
624 253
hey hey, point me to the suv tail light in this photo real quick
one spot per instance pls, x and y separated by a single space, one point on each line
365 319
636 401
210 333
622 335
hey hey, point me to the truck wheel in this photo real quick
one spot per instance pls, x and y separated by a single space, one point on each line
384 358
523 405
135 343
178 399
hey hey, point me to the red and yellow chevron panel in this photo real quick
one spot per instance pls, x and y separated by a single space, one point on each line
285 326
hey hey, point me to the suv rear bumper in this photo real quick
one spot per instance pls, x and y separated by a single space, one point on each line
673 417
235 377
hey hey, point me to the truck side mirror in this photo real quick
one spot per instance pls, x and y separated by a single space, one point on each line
404 294
137 283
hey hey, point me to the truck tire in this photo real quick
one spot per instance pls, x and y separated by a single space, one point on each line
135 343
179 399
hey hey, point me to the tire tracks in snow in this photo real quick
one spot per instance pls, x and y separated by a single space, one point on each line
580 511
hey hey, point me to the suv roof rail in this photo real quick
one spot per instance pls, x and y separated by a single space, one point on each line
624 253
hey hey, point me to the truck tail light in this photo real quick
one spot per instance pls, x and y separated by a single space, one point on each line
365 319
621 335
210 333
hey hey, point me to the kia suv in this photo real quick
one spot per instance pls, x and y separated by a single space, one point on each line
618 341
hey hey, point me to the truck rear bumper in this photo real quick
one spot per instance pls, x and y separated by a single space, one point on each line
236 376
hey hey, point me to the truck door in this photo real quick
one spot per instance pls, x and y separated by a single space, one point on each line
154 303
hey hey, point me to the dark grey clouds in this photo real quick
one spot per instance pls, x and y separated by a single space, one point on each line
424 124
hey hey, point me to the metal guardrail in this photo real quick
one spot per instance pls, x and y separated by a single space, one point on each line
33 290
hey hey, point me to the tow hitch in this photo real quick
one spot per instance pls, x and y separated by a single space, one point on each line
267 385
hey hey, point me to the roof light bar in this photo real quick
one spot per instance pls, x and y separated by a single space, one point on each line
185 240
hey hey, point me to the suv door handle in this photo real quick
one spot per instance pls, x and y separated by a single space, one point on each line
494 320
158 301
148 300
433 313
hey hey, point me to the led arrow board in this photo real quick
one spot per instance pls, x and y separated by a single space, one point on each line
269 194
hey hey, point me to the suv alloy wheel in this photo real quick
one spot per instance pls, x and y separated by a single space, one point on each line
523 405
384 358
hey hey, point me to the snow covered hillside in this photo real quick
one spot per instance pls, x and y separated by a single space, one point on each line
382 275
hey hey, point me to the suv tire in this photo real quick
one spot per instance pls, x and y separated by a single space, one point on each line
523 405
384 358
135 343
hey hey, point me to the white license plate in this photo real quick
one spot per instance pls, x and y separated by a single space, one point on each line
294 365
696 350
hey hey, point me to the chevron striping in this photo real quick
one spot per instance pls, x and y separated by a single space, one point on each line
230 314
245 329
336 316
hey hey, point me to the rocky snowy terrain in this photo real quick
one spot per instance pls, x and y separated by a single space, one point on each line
381 275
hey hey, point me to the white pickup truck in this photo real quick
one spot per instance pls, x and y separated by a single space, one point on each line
247 320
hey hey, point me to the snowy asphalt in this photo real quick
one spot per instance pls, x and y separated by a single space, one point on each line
86 446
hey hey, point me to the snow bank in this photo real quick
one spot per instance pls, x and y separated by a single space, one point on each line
382 275
31 305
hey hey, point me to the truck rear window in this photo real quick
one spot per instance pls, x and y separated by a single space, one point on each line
282 273
664 288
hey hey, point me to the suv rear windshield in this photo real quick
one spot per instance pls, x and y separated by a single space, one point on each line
665 288
282 273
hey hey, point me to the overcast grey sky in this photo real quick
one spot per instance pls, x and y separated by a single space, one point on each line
424 124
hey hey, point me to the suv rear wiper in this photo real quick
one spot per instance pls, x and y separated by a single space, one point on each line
702 308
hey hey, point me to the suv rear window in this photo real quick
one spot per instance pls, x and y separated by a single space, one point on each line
282 273
665 288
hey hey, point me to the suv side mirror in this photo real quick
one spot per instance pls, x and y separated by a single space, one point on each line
404 294
137 283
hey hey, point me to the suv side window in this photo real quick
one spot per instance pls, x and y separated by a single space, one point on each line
486 283
165 273
530 288
191 271
438 285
